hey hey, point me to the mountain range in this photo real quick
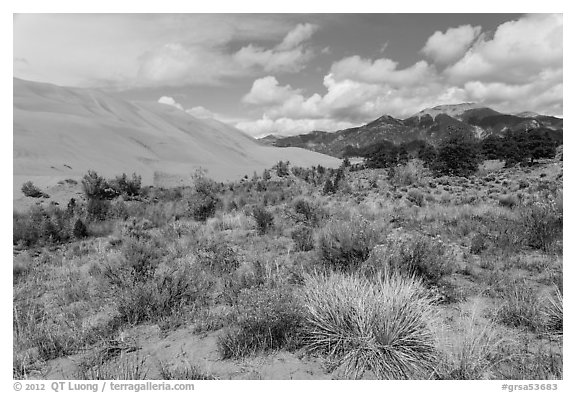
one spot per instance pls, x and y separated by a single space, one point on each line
62 132
431 125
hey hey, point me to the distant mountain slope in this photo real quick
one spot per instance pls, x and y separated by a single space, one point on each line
431 125
62 132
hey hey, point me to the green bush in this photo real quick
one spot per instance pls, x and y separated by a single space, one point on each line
412 254
218 257
306 212
383 326
80 231
30 190
122 185
541 224
204 201
264 319
303 237
345 245
97 209
96 187
456 157
264 219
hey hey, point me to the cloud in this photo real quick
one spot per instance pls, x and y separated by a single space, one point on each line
125 51
291 55
297 36
380 71
519 68
170 101
200 112
266 91
446 48
287 126
516 54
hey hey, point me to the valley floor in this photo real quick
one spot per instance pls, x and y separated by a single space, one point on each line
257 290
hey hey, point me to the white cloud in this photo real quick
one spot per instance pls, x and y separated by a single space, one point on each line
297 36
286 126
149 50
266 91
516 54
519 68
291 55
381 71
200 112
445 48
170 101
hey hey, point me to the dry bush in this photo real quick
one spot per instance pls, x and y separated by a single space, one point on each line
345 245
477 355
264 319
427 258
382 326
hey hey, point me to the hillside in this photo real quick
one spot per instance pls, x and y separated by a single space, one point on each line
431 125
61 133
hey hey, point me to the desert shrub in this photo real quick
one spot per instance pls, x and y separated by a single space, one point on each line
204 201
80 231
382 326
477 355
218 257
520 307
264 219
411 254
541 224
307 212
41 226
30 190
478 243
303 237
412 172
345 245
97 209
264 319
508 201
155 291
96 187
26 227
416 197
141 256
122 185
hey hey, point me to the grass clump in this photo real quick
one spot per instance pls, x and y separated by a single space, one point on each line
264 319
382 326
520 306
552 309
187 372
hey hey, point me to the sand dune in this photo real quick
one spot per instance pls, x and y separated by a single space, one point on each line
62 132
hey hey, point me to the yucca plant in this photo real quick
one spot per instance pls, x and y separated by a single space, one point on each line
382 326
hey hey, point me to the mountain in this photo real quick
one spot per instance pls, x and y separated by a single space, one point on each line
431 125
61 133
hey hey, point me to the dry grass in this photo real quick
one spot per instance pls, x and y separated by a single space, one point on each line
382 326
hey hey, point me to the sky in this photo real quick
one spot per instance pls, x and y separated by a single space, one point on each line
288 74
